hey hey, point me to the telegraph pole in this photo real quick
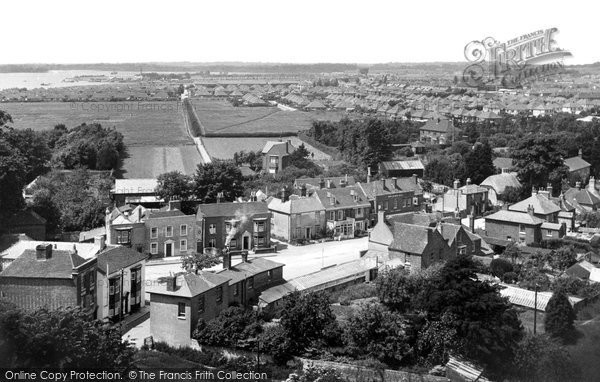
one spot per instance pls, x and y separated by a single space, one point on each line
535 310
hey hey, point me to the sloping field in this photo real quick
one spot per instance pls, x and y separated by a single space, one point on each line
220 117
224 148
154 132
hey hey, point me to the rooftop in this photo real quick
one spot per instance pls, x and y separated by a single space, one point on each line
135 186
514 217
59 266
232 209
249 268
540 203
116 258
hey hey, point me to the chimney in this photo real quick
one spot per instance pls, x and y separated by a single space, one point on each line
331 198
578 185
592 185
456 184
226 260
533 191
395 182
172 283
244 256
415 178
321 183
100 242
580 153
219 197
549 189
380 216
43 251
353 194
472 222
530 210
329 183
468 181
303 190
368 174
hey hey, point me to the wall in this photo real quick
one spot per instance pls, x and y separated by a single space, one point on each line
281 225
32 294
175 222
165 325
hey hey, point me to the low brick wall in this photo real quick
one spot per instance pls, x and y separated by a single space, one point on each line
363 374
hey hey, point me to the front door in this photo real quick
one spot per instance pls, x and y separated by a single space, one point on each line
308 232
168 249
246 242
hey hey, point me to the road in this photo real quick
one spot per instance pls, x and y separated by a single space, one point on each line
298 260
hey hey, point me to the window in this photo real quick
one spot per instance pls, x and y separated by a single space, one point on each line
395 203
124 236
181 310
236 290
548 232
183 230
154 248
298 232
270 274
153 232
212 242
233 243
183 245
359 212
274 160
259 226
385 205
219 292
340 215
201 304
250 282
331 215
522 228
212 229
169 231
462 250
408 202
261 241
415 201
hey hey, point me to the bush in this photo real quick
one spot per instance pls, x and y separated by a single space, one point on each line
510 277
499 267
231 327
559 316
353 292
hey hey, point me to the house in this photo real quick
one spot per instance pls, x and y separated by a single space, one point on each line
465 200
250 277
438 131
237 226
177 304
579 169
276 156
402 168
460 241
514 226
542 207
136 191
503 165
498 184
346 210
26 222
583 199
120 282
125 226
393 196
584 270
298 217
170 232
50 278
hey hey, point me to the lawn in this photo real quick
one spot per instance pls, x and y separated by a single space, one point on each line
154 132
224 148
221 117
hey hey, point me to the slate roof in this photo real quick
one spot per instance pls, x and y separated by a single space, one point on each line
117 258
335 182
411 164
270 144
410 238
190 284
165 214
526 298
443 126
422 219
297 205
342 198
59 266
582 196
514 217
576 163
249 268
231 209
540 203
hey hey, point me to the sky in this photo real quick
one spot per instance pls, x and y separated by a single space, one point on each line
307 31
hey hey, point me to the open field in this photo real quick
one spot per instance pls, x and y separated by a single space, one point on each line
224 148
154 132
218 116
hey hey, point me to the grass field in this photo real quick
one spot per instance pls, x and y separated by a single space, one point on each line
218 116
224 148
154 132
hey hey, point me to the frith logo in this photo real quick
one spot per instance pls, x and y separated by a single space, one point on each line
513 63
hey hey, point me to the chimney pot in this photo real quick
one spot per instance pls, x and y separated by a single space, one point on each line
468 181
43 251
395 182
172 283
456 184
244 256
415 178
226 260
100 242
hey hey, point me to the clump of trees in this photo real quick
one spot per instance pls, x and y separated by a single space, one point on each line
461 161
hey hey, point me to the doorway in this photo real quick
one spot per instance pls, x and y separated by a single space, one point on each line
168 249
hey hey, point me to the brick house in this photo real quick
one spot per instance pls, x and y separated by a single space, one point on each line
241 226
52 279
346 210
120 267
514 226
178 304
125 226
170 232
579 169
276 156
418 246
297 217
464 200
541 206
460 241
393 196
250 277
311 184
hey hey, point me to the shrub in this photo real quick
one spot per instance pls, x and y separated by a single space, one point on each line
559 316
499 267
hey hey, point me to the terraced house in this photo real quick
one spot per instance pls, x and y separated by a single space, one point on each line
296 217
346 210
170 232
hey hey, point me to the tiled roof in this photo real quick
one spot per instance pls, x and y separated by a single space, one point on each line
59 266
410 238
411 164
117 258
526 298
296 205
503 163
514 217
231 209
190 284
249 268
416 218
270 144
576 163
582 196
540 203
334 181
342 197
443 126
165 214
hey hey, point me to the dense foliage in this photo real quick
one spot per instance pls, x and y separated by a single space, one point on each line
559 316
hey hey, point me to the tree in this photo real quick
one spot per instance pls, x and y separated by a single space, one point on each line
174 186
373 331
563 257
478 163
559 316
512 194
218 177
229 328
304 318
499 267
317 374
512 252
539 358
195 262
437 339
